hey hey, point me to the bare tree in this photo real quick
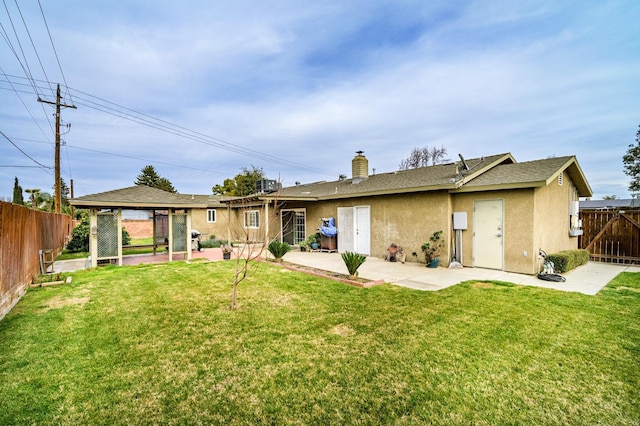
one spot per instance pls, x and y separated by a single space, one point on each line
251 235
425 156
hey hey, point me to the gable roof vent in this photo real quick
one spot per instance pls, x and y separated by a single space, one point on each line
560 178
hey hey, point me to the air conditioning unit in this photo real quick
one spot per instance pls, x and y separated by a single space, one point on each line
266 186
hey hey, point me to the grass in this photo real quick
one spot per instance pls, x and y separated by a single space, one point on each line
157 344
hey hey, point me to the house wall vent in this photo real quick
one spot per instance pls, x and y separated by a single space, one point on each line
560 178
359 167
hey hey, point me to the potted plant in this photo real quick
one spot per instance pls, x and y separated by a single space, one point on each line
313 241
431 249
226 251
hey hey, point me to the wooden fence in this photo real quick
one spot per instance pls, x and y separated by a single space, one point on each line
611 235
23 233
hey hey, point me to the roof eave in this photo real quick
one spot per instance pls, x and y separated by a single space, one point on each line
498 187
133 205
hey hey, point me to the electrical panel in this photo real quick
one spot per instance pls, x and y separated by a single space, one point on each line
460 220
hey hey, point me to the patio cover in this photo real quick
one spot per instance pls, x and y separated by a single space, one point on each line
106 218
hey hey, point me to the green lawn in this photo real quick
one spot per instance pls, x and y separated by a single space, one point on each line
157 344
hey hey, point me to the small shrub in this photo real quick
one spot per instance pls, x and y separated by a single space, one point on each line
567 260
353 261
431 248
278 248
80 236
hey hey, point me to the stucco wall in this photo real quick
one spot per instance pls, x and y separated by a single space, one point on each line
551 228
407 220
518 249
533 218
236 227
217 228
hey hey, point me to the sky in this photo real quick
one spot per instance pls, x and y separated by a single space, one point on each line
201 89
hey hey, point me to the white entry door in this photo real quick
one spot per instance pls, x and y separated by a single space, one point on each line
488 234
345 229
363 230
354 229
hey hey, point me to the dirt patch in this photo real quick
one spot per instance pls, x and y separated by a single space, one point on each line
624 288
482 285
343 330
58 302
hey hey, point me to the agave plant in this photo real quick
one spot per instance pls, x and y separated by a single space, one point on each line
353 261
278 249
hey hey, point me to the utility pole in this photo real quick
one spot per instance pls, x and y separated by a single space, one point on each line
57 199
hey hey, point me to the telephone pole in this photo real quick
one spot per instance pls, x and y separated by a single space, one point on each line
57 201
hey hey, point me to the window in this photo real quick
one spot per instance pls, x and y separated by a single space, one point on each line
211 215
252 219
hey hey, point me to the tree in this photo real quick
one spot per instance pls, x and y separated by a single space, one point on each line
64 197
149 176
39 200
610 197
250 241
242 184
17 193
425 156
632 164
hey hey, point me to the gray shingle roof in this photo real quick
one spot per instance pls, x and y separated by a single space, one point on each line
438 177
141 196
609 204
530 174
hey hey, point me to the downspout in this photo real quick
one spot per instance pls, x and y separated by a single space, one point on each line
229 224
266 224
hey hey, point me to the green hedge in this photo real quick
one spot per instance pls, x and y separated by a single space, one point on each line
567 260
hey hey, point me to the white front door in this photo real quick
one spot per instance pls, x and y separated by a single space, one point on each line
363 230
488 234
345 229
354 229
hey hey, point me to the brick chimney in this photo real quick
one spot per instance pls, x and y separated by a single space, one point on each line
359 167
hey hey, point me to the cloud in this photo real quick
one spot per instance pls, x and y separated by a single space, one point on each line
312 84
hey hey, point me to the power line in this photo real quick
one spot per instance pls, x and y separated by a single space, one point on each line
33 45
11 166
178 130
25 66
141 159
108 107
25 154
111 108
131 157
25 105
55 52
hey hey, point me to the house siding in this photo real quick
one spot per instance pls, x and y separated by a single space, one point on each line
552 216
210 229
407 220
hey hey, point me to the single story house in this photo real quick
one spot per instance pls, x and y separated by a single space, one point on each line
501 211
493 211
